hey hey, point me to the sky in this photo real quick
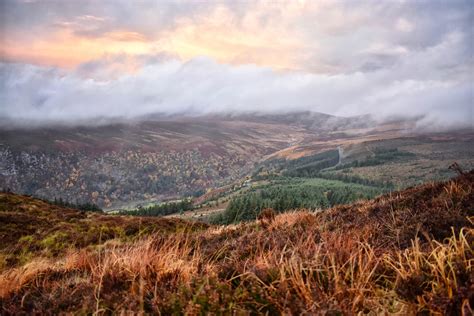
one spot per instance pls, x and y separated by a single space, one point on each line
90 60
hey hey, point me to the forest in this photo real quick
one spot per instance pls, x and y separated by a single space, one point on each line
162 209
309 183
380 156
87 206
287 194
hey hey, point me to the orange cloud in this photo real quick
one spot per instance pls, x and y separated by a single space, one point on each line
238 41
219 35
64 49
126 36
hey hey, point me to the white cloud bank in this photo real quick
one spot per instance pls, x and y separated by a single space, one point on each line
39 95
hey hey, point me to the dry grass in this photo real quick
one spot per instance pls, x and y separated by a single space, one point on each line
335 262
32 228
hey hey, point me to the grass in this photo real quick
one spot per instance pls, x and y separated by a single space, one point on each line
33 228
405 253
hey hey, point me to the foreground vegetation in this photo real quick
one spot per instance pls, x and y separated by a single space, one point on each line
32 228
407 252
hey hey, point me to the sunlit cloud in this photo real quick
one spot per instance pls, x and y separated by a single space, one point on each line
252 38
128 58
313 36
65 49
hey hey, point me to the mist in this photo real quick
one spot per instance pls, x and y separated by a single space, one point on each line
45 95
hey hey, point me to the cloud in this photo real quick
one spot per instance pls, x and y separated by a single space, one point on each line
41 95
312 36
71 61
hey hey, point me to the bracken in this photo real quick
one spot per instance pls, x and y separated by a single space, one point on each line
405 253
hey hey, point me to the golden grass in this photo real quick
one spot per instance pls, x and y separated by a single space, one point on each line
305 274
343 261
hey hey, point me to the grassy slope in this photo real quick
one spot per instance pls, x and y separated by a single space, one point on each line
429 160
404 253
33 228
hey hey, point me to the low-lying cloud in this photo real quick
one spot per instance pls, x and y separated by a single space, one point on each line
41 95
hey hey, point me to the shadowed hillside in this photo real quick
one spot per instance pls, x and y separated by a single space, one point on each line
407 252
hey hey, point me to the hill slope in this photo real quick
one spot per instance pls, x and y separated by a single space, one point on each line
34 228
122 165
117 164
408 252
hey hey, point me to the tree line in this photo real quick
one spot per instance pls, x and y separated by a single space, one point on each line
87 206
162 209
287 197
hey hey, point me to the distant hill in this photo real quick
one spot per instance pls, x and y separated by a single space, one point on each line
407 252
120 165
116 164
156 159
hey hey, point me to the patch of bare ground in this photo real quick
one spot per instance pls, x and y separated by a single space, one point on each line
406 253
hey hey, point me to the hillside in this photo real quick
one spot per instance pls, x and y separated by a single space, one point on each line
407 252
125 164
34 228
153 160
339 173
118 164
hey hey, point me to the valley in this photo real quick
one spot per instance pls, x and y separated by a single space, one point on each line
237 158
342 175
116 165
125 165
